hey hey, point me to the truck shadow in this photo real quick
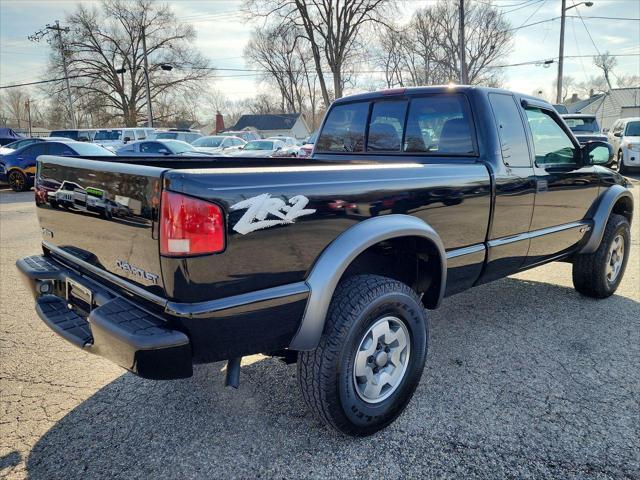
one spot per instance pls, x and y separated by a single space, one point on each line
501 357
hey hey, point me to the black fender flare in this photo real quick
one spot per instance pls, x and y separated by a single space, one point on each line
336 258
600 213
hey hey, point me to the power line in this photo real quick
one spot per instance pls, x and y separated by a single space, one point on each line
43 81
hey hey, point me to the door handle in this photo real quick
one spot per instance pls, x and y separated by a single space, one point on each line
542 186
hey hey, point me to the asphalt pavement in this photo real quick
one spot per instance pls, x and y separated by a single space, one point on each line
524 379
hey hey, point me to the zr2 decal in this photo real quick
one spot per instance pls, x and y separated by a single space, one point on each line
260 207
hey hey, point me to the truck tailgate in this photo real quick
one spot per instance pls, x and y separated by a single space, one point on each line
104 213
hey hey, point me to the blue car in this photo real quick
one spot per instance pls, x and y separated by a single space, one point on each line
19 167
155 148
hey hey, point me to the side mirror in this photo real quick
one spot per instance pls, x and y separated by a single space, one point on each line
278 148
617 134
597 153
126 139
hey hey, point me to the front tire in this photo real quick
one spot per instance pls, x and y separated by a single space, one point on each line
621 168
599 274
370 357
18 181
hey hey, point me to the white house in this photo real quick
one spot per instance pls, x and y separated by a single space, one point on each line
609 107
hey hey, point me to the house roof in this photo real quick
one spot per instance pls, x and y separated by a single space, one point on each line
578 106
278 121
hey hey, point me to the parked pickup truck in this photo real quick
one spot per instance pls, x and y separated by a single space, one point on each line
411 195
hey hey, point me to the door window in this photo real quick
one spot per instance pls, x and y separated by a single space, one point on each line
151 147
33 151
513 139
60 149
551 144
386 126
344 129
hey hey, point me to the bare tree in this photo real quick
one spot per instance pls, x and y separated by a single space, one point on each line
627 81
274 50
425 51
14 106
331 28
106 39
605 62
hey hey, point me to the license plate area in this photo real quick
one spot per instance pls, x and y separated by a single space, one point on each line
79 297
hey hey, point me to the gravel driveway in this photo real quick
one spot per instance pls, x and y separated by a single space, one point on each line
524 379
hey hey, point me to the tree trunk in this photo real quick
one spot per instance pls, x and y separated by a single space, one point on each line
337 82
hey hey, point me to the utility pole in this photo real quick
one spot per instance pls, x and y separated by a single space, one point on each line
563 16
58 29
463 67
27 105
561 53
146 76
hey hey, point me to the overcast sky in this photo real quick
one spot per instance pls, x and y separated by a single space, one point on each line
223 33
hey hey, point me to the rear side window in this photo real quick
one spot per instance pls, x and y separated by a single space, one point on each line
386 126
344 129
439 124
513 139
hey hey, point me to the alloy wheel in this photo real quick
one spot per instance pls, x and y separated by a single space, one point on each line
382 359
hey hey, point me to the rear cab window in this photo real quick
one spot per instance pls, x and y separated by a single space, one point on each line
436 124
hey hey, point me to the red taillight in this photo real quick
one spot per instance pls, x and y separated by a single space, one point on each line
189 226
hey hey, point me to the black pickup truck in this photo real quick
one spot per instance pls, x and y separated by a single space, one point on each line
411 195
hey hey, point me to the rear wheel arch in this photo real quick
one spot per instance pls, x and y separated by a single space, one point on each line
358 248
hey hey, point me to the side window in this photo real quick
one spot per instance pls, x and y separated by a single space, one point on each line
439 124
33 151
128 148
551 144
141 135
151 147
344 129
129 134
386 126
513 139
59 149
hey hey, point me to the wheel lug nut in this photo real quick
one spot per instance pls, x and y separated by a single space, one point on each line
370 359
387 349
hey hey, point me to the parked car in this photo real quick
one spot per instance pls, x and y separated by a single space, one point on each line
246 135
585 127
224 260
79 135
18 167
288 141
148 148
625 138
258 148
185 136
113 139
28 141
307 147
218 144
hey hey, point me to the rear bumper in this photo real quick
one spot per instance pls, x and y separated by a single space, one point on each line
153 337
108 324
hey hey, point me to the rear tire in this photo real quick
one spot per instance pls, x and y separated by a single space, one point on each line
376 329
598 274
18 181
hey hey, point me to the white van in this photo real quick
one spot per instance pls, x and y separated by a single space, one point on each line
114 138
